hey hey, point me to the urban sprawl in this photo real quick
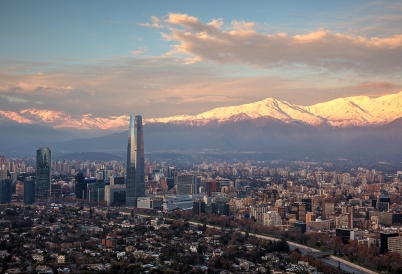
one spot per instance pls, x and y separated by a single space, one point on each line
142 216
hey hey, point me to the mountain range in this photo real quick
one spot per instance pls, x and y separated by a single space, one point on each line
342 112
357 125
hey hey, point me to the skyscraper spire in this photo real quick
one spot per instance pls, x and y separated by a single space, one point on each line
135 178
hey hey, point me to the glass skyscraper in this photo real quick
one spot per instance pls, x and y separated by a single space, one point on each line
80 186
135 177
43 171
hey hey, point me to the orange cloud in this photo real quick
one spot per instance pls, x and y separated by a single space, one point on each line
375 85
240 43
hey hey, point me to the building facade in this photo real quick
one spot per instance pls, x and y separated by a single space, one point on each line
186 184
135 177
80 186
271 218
257 212
43 171
114 194
5 191
29 191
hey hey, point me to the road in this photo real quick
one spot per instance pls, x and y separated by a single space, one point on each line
331 260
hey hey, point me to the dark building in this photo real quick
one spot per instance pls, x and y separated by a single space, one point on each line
396 218
224 209
198 206
80 186
309 204
384 199
383 206
300 226
29 191
384 240
300 210
119 198
43 171
96 191
117 180
345 234
270 196
5 191
171 172
170 182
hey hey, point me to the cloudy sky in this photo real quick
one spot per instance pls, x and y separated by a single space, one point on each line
164 58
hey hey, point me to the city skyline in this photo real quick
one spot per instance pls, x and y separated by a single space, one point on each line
181 58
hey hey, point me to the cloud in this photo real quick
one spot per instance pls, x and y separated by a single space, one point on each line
182 100
376 85
16 99
320 49
30 87
140 50
155 23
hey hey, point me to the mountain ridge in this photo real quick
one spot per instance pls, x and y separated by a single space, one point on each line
340 113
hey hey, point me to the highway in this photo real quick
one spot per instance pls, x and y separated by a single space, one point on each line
331 260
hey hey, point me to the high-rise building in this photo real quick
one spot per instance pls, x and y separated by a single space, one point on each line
80 186
257 212
29 191
3 174
186 184
299 210
5 189
135 177
395 244
384 236
271 218
171 171
328 209
43 171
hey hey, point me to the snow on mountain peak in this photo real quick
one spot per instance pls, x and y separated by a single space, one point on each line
341 112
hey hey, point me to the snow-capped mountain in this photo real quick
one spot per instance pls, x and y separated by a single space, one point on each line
338 113
60 119
342 112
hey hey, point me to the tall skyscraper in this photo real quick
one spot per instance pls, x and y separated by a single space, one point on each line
43 171
80 186
135 177
5 191
5 187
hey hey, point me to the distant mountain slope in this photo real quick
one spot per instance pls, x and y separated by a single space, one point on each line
89 156
342 112
264 134
14 136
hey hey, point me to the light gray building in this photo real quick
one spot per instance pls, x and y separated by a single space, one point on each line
186 184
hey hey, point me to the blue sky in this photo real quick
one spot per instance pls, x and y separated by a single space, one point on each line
163 58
